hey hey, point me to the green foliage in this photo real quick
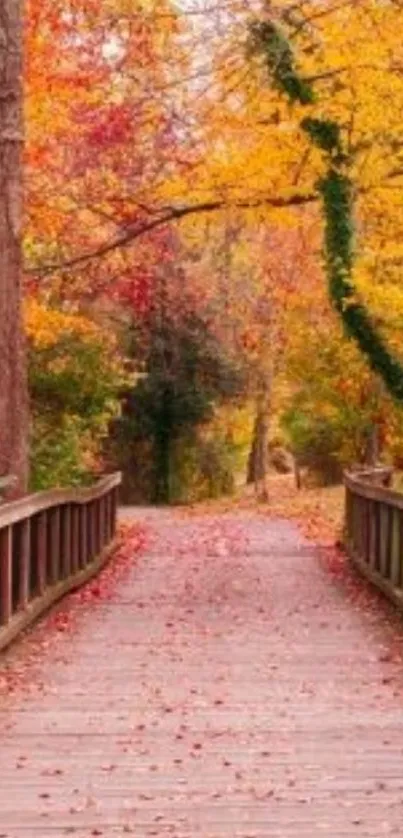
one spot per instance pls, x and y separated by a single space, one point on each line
75 377
59 452
268 37
325 134
201 469
316 441
75 382
186 375
336 190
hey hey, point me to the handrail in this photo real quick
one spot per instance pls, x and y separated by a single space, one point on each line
374 530
32 504
50 543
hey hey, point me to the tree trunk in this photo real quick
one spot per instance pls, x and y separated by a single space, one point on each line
371 453
258 465
13 379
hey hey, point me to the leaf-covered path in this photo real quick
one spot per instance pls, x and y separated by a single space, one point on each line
228 687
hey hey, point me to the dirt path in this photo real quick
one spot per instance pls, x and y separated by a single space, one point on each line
227 689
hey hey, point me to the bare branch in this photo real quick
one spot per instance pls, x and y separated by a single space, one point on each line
168 215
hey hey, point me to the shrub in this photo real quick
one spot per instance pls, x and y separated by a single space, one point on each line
75 377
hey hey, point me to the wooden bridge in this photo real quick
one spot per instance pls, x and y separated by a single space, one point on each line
229 686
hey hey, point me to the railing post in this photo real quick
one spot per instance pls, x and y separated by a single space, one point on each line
25 563
108 516
93 539
373 535
5 575
102 539
54 545
97 517
75 538
83 535
395 548
384 539
114 510
66 540
41 552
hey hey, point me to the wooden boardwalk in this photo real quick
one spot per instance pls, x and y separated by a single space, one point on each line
229 688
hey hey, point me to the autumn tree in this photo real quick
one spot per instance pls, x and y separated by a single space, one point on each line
186 373
339 146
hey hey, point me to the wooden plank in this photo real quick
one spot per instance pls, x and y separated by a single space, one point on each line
5 574
250 716
38 606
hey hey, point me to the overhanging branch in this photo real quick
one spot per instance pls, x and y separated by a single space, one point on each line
168 215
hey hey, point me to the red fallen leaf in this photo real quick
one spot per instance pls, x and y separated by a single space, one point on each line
386 657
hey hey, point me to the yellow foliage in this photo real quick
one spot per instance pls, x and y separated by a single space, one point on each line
45 327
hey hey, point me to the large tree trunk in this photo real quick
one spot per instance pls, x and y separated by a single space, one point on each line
13 380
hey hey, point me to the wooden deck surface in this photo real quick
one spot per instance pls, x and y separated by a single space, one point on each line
229 689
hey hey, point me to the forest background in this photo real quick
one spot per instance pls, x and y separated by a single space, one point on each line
176 306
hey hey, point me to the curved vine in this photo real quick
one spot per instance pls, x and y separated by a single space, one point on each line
336 191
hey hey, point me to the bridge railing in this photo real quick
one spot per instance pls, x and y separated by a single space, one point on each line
374 530
50 543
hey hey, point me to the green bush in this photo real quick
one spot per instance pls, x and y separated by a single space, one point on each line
75 379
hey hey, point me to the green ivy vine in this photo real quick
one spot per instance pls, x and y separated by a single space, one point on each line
337 193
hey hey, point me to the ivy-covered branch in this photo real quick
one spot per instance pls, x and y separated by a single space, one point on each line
336 191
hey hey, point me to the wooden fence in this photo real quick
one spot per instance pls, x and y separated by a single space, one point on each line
51 543
374 530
